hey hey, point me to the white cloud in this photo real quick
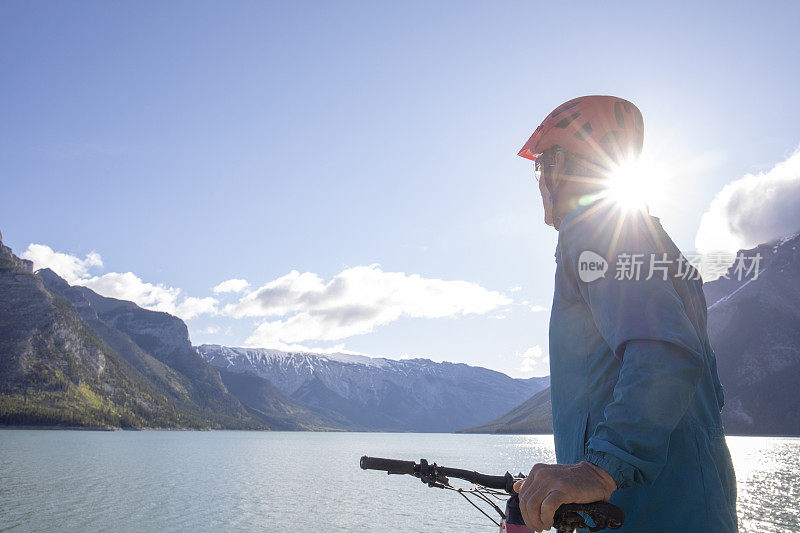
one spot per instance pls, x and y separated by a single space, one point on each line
533 360
121 285
193 306
516 288
158 297
211 329
538 308
753 209
354 302
69 267
232 285
302 306
128 286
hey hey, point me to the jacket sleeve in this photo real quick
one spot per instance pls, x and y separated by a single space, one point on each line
644 323
655 387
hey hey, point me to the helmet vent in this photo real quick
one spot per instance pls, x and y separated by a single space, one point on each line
618 114
563 108
585 130
611 136
567 121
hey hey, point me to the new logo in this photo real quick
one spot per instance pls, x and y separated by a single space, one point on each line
591 266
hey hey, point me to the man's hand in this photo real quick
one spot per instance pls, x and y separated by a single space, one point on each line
547 487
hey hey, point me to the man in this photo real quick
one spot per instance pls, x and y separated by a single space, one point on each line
635 394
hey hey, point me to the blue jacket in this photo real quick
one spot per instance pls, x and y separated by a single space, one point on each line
634 379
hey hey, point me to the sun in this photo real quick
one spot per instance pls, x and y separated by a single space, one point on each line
635 183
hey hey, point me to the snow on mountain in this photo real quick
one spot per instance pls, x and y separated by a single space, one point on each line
372 390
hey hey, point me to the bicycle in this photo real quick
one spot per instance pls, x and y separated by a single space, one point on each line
494 489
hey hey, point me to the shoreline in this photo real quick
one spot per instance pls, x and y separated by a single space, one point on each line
102 428
64 428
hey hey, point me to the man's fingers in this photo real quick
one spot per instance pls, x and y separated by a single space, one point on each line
534 504
525 486
549 486
528 481
526 515
553 501
525 489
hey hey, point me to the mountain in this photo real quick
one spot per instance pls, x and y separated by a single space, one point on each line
279 411
532 417
54 371
382 394
157 345
754 328
69 356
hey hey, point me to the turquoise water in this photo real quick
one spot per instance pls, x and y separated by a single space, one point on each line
204 481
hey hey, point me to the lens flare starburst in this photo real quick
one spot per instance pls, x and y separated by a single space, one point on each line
635 183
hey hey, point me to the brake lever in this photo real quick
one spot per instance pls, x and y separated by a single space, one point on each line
429 475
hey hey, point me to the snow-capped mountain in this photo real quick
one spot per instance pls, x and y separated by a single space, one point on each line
754 326
378 393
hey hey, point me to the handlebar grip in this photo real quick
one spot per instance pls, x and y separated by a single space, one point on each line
613 516
389 465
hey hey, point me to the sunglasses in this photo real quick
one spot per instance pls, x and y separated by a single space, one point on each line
538 165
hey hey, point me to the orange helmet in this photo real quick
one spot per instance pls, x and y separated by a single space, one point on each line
598 128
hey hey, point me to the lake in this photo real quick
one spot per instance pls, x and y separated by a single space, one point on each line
273 481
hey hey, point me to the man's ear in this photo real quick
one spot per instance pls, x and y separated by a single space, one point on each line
559 166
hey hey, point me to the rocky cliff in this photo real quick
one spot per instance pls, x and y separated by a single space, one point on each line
53 371
157 346
754 326
70 357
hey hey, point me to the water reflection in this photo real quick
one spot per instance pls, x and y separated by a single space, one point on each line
768 483
211 481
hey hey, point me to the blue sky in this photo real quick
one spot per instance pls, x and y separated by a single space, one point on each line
190 143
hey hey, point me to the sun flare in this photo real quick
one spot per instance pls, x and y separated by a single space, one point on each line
635 183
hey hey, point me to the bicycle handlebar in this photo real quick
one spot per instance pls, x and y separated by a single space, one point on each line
603 513
395 466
